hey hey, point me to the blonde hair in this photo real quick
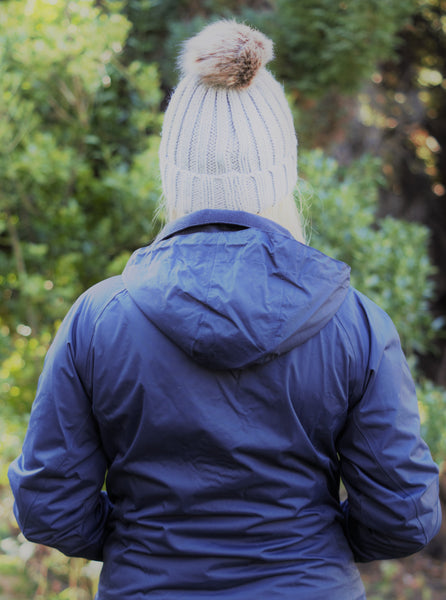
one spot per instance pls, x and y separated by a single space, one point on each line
286 214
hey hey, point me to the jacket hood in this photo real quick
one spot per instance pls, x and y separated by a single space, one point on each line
232 289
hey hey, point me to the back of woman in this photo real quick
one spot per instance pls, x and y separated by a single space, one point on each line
226 382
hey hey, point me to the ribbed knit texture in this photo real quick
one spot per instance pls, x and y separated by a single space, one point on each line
225 148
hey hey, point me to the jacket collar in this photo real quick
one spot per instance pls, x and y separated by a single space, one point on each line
224 217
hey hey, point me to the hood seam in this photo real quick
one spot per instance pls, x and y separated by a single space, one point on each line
202 317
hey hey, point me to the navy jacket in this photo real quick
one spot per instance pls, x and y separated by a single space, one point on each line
223 385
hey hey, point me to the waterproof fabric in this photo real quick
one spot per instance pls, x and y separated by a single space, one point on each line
224 384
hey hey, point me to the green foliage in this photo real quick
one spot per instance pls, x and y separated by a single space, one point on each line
79 120
432 401
22 362
389 258
79 174
327 46
321 46
78 177
159 27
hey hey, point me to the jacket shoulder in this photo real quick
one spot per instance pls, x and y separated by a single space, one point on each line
369 331
359 311
96 299
77 328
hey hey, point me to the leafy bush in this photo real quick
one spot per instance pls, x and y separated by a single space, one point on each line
432 402
327 46
78 175
389 257
389 260
321 46
79 118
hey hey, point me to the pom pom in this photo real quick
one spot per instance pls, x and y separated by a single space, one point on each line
226 54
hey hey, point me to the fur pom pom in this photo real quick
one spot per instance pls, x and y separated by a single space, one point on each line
226 54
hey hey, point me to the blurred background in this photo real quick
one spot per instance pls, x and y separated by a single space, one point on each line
83 86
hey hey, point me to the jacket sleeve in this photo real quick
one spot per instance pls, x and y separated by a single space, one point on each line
57 479
393 507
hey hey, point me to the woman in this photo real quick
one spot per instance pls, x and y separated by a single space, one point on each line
227 381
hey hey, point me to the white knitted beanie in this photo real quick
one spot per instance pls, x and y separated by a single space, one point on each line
228 137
